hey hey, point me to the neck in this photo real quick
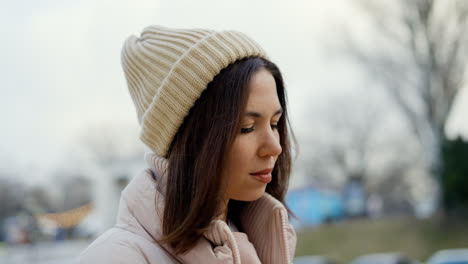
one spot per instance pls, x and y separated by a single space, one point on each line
223 212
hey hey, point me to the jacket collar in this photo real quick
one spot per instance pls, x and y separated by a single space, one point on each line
142 206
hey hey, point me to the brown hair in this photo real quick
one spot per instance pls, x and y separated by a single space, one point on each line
197 153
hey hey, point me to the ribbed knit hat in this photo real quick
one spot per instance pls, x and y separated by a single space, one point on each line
168 69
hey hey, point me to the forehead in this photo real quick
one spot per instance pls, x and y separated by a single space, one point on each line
262 92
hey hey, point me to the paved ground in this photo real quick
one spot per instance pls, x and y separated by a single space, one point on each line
43 253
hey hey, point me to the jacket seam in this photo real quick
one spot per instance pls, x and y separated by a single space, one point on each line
284 236
135 250
138 235
153 242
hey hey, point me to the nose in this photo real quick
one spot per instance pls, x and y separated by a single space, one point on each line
270 144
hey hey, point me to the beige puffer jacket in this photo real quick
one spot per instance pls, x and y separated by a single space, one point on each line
268 237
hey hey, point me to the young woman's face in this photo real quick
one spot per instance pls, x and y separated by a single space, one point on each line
252 156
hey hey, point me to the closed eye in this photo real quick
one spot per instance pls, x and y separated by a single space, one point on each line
246 130
250 129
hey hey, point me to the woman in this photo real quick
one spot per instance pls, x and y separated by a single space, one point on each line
212 109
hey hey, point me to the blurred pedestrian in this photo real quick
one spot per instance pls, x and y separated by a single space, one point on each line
212 109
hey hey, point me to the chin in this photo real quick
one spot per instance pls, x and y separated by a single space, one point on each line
250 196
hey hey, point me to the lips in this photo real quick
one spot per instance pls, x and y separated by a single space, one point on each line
265 171
263 176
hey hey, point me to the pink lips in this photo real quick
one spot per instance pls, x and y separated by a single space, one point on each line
263 176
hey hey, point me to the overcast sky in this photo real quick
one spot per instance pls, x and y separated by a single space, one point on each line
61 73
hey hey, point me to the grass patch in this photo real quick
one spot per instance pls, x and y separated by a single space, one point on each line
417 239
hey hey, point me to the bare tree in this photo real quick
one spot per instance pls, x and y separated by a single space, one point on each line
346 147
11 195
421 61
110 144
38 200
351 140
360 146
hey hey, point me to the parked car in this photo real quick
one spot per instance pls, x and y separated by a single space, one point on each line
383 258
449 256
313 260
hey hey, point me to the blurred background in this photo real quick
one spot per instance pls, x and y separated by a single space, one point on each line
378 101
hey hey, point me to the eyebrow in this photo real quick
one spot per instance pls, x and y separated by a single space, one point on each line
258 115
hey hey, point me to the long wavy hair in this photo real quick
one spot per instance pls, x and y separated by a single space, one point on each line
194 190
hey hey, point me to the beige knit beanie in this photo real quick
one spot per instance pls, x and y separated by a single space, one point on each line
168 69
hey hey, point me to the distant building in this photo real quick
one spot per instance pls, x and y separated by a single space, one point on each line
314 205
354 196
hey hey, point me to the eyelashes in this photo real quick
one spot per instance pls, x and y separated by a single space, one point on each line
250 129
246 130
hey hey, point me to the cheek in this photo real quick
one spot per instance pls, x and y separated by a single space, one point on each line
246 146
241 154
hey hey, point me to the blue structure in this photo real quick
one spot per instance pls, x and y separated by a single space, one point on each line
313 206
355 198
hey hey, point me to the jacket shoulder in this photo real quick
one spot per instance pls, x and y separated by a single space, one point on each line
120 246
